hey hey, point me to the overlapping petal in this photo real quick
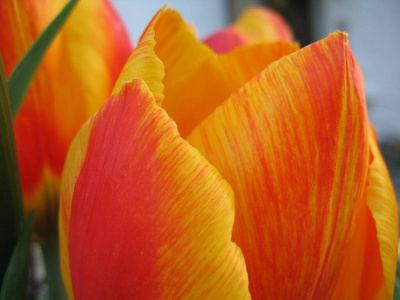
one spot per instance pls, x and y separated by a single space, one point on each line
75 78
72 169
256 25
143 214
293 143
381 201
227 39
196 79
371 256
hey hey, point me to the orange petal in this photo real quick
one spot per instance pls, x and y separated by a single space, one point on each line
75 78
255 25
147 216
196 79
293 145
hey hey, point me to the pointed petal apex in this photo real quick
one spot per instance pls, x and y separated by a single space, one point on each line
144 63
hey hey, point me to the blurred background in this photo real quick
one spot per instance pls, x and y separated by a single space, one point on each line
373 33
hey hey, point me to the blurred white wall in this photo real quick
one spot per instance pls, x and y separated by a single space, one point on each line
207 15
373 28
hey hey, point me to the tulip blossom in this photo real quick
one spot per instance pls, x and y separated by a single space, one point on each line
74 80
256 25
251 174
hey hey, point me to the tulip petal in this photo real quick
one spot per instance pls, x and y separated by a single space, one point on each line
144 63
370 263
226 40
260 24
72 169
382 203
293 145
150 218
196 79
63 95
255 25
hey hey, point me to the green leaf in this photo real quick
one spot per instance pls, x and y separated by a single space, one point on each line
51 255
11 211
15 280
23 74
396 295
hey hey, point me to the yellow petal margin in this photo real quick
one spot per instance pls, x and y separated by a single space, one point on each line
293 144
144 215
382 203
73 165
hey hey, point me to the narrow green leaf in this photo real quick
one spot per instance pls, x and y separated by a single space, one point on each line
23 74
51 255
396 295
11 211
15 280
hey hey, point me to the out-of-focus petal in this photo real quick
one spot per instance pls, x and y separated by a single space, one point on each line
226 40
75 78
196 79
293 145
260 24
150 218
255 25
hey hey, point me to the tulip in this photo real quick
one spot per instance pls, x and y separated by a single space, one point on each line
256 25
249 174
74 80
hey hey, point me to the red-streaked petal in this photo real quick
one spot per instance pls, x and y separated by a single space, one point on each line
75 78
255 25
371 259
196 79
150 218
293 145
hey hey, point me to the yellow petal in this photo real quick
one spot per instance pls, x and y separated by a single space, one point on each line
144 63
261 24
382 203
